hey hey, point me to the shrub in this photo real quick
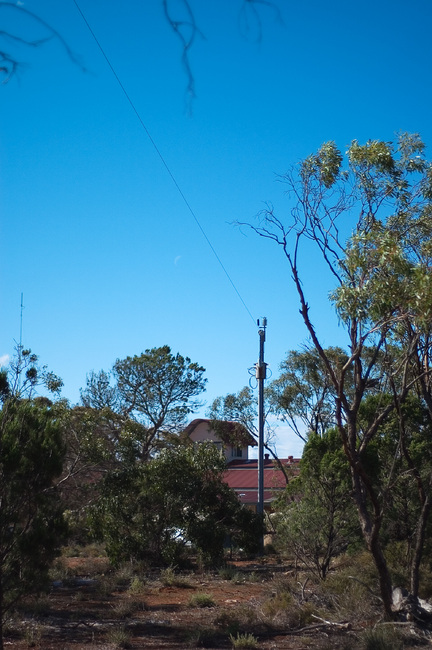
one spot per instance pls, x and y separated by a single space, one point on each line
201 600
228 621
247 641
286 605
171 579
350 589
227 572
137 587
33 634
119 637
124 609
105 586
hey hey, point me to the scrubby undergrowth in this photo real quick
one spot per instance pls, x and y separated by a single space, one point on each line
267 603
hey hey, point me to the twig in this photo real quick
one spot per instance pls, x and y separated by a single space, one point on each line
339 626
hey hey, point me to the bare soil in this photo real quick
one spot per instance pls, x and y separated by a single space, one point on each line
94 608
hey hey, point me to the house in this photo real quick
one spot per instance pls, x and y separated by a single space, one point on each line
230 437
234 440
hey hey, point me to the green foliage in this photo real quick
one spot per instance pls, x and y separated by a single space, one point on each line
234 419
146 398
316 518
25 375
286 606
233 416
398 461
228 572
372 227
150 511
382 638
245 641
202 637
31 520
170 578
137 587
323 166
120 637
201 600
304 392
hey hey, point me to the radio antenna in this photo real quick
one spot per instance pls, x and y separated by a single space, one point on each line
21 323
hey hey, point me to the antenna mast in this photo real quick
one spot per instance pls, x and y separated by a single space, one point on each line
21 322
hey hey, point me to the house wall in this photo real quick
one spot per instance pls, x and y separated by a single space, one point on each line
203 433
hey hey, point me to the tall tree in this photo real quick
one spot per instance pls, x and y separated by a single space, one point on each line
31 457
152 394
381 292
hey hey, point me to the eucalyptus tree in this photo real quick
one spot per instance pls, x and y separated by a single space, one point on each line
381 291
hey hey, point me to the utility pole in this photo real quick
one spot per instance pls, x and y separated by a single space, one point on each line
260 368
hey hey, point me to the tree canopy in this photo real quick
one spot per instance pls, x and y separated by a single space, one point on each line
31 459
150 395
179 498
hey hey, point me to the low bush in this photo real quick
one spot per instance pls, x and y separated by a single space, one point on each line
119 637
244 641
137 587
201 600
170 578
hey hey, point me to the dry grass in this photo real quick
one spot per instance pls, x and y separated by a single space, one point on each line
271 605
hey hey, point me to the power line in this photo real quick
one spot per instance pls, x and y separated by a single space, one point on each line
165 164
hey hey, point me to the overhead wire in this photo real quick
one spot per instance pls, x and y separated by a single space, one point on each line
164 163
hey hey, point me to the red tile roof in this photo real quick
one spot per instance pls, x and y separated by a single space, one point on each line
248 478
242 476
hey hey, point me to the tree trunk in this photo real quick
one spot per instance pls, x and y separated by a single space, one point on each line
1 610
418 548
370 523
384 577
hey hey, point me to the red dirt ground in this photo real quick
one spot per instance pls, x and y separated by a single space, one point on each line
93 608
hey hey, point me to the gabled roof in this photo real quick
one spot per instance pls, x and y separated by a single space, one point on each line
230 427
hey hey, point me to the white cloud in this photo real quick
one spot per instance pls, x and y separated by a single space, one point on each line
4 360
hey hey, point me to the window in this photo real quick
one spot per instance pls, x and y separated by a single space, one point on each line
236 452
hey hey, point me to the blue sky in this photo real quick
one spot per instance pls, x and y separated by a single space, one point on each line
94 232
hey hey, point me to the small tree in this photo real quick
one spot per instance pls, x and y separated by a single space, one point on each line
315 519
303 395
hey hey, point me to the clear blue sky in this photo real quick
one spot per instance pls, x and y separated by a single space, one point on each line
94 232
